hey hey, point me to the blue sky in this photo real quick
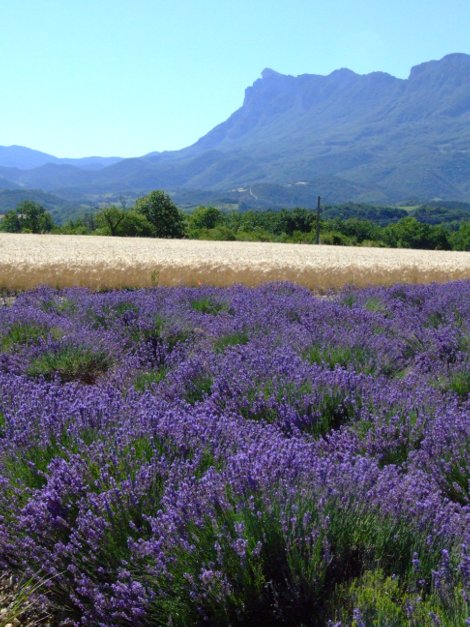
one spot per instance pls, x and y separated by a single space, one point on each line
126 77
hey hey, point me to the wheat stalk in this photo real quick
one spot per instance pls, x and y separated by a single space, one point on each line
27 261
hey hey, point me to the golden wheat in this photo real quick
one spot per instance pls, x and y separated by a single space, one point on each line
27 261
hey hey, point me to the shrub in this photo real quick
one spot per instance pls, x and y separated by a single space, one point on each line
71 363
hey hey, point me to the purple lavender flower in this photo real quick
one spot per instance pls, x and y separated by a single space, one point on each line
246 453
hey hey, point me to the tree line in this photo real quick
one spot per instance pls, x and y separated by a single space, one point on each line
156 215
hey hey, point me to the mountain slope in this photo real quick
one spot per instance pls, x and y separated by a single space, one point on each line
26 159
346 136
392 138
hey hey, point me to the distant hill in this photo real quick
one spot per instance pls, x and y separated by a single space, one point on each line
60 209
348 137
442 212
26 159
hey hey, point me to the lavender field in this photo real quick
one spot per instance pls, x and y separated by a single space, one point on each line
236 456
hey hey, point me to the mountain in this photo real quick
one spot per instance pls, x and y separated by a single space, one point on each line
345 136
26 159
392 138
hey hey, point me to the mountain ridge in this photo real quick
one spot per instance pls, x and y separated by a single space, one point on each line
24 158
375 136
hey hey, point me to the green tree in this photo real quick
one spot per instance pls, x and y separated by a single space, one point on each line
109 219
439 237
290 220
135 224
335 238
358 229
117 221
28 217
82 225
460 240
408 233
164 216
205 218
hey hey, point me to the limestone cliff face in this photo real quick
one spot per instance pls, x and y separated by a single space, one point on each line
406 137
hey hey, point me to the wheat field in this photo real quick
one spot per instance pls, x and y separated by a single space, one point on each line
27 261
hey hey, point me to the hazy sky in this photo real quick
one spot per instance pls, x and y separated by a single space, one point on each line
126 77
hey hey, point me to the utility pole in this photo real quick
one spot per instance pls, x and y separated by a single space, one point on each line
318 221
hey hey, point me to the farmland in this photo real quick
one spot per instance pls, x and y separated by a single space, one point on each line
234 455
28 261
